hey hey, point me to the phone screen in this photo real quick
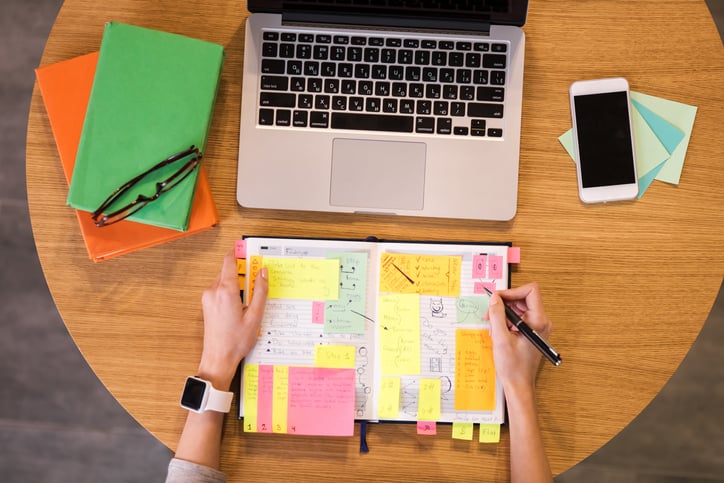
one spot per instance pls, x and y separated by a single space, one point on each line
604 139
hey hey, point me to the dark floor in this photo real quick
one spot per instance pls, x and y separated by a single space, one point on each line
59 424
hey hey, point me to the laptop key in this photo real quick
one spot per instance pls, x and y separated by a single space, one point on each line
372 122
499 47
270 35
319 119
495 133
272 66
444 125
284 117
460 131
269 49
496 94
277 99
266 117
300 119
425 125
494 61
497 77
305 101
477 109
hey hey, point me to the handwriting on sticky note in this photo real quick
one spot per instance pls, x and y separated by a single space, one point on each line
428 428
480 263
321 401
422 274
241 266
474 371
265 398
479 287
399 333
240 249
346 315
489 433
251 396
428 406
279 403
334 356
317 312
389 398
495 266
302 278
470 309
462 431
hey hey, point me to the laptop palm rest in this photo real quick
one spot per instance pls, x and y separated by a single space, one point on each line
378 174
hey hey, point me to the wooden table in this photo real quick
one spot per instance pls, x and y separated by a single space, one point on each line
627 285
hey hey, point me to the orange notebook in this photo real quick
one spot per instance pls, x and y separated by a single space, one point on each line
66 87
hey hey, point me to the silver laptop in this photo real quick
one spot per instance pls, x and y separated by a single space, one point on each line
401 107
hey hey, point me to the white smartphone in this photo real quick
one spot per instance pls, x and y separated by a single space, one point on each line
603 140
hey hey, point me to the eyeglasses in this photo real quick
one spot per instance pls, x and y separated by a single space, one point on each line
142 200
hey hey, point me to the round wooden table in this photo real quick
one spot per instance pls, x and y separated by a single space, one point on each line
628 285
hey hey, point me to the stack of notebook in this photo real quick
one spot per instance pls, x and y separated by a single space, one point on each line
114 114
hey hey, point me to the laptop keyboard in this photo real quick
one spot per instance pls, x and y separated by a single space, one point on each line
376 83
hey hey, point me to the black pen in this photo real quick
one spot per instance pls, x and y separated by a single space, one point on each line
531 334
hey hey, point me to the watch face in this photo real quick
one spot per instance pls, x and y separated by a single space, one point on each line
193 395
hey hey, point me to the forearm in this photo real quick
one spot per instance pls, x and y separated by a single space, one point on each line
528 461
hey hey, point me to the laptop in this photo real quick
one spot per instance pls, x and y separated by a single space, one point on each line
403 107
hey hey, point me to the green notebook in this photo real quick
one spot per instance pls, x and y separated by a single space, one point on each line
153 96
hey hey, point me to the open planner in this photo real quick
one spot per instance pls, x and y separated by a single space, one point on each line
370 330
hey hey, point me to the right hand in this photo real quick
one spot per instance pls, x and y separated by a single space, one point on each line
516 359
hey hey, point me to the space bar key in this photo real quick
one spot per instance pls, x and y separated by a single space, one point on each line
372 122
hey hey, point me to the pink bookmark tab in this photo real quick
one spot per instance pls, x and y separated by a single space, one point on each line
317 312
240 249
428 428
479 263
495 267
513 254
266 397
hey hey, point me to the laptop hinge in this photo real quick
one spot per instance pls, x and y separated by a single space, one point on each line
384 21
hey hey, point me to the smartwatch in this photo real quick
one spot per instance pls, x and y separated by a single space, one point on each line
199 396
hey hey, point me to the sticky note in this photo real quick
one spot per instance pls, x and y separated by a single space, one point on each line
422 274
480 263
479 287
513 254
389 398
474 371
240 249
428 428
241 266
255 264
242 282
470 309
334 356
302 278
346 315
321 401
279 403
251 399
489 433
428 402
495 266
462 431
265 398
317 312
399 333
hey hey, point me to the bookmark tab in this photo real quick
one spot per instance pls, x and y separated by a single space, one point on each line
280 401
240 249
265 398
462 431
427 428
251 396
513 254
489 433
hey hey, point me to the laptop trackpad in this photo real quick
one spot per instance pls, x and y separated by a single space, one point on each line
378 174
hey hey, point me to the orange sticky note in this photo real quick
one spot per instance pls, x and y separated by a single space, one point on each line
255 264
474 371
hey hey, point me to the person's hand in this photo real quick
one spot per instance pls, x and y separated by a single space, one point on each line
516 359
230 327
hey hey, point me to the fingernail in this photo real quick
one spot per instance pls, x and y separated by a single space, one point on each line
264 273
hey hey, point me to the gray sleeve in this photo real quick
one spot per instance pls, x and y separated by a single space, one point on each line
180 471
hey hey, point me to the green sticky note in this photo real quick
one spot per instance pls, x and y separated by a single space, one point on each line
346 314
470 309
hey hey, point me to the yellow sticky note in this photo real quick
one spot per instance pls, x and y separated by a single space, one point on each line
474 371
303 278
422 274
399 331
251 396
389 402
462 431
428 402
489 433
280 399
334 356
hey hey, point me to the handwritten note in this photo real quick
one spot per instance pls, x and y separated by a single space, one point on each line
389 398
479 287
495 267
317 312
346 315
303 278
470 309
421 274
240 249
334 356
489 433
251 396
255 264
321 401
279 403
462 431
265 398
480 265
428 408
399 333
474 371
428 428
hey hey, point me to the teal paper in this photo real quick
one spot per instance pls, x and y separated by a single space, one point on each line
669 135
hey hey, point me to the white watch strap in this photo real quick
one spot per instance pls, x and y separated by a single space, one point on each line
219 400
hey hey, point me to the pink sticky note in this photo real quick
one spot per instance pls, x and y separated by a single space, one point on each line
240 249
495 266
479 262
427 427
514 255
317 312
479 287
266 395
321 401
